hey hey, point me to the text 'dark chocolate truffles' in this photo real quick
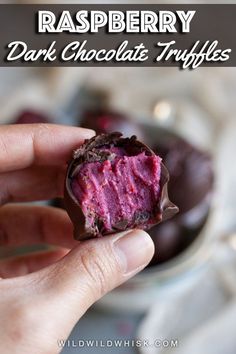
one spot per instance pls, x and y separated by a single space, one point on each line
114 184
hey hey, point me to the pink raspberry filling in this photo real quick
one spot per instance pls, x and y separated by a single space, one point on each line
118 192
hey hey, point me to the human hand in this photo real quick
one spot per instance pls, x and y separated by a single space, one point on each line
43 295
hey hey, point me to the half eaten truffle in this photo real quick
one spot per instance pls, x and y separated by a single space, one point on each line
114 184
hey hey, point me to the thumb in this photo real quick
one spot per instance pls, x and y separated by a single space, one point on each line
89 271
97 266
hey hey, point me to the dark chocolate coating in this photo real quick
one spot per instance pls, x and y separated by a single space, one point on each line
190 171
89 152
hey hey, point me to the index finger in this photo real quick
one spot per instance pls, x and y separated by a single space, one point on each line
41 144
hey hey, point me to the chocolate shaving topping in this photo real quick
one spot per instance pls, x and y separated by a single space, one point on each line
90 152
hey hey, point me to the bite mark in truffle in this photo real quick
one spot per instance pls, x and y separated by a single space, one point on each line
114 184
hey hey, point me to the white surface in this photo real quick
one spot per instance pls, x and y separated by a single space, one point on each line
203 320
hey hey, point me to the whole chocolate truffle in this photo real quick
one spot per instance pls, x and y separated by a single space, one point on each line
114 184
190 171
106 122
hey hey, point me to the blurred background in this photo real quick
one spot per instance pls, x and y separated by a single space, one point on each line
185 300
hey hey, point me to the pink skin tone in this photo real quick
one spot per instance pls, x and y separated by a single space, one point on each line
44 294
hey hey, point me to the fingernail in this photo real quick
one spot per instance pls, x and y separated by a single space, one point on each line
134 249
88 133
